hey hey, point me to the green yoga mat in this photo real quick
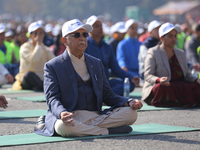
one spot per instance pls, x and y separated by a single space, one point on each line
136 94
22 114
148 108
9 91
32 138
33 98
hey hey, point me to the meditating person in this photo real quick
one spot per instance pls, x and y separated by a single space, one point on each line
76 87
168 81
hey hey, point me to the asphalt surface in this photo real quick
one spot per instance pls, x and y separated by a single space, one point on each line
168 141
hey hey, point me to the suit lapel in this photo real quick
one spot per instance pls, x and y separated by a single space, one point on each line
70 72
164 58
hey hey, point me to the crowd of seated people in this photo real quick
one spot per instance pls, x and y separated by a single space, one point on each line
25 48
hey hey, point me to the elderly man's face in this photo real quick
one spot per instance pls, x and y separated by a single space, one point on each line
76 45
97 29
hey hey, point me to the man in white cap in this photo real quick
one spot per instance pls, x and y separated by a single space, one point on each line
33 55
7 56
75 87
100 49
151 41
128 50
118 31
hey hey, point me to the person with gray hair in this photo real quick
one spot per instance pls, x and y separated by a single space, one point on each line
76 87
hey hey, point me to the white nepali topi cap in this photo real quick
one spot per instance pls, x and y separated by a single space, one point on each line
153 24
129 23
118 27
74 25
34 26
91 20
167 27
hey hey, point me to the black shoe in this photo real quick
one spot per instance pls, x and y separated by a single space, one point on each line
120 130
40 123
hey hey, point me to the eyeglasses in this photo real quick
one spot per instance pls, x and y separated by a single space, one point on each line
77 34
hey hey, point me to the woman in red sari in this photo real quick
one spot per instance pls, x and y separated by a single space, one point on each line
168 81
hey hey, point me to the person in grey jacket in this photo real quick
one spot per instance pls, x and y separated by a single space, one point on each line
168 80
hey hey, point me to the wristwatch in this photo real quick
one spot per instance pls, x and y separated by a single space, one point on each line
127 102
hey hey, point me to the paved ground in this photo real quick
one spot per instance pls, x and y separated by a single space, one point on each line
170 141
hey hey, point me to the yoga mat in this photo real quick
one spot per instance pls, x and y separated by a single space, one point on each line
9 91
33 98
22 114
148 108
32 138
135 94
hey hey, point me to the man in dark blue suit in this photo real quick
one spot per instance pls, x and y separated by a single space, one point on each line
76 86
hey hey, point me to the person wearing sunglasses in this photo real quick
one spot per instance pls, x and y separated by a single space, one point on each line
33 55
76 87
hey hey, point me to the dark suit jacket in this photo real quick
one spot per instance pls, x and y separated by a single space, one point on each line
61 90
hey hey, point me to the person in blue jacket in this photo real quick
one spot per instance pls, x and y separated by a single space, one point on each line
76 87
100 49
128 49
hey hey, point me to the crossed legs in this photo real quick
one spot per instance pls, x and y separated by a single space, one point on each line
91 123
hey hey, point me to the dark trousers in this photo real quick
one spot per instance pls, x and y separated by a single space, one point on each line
32 82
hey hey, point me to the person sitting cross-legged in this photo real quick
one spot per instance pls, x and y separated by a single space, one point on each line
168 80
33 55
76 87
